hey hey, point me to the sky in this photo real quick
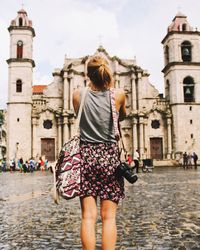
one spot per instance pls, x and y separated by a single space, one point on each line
75 28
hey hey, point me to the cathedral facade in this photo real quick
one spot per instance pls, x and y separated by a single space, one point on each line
40 118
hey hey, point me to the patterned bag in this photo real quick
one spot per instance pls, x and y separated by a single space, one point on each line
67 169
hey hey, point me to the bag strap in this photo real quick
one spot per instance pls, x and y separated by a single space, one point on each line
114 114
116 124
80 110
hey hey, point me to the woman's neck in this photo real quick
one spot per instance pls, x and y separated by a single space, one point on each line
95 88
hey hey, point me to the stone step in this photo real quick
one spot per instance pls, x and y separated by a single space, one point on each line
167 163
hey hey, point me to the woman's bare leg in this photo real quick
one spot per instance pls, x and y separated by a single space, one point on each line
89 216
109 228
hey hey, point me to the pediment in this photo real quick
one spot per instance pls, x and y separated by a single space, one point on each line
54 89
48 111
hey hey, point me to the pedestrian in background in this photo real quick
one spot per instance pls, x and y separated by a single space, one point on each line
130 160
12 165
136 158
100 155
189 160
20 164
42 165
46 164
195 158
32 165
4 165
185 160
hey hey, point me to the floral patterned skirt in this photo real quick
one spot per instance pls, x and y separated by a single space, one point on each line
98 165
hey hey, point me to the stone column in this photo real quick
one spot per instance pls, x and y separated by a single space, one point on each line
72 124
133 94
141 137
59 134
66 92
116 78
65 129
71 88
34 136
135 141
169 138
145 137
138 90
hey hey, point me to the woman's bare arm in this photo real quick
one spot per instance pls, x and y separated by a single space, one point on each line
120 100
76 100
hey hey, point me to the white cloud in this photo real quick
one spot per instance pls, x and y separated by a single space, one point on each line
128 28
42 79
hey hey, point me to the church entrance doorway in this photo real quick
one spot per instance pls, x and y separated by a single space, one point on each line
48 148
156 148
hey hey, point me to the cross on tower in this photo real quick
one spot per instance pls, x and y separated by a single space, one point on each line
22 5
100 39
179 8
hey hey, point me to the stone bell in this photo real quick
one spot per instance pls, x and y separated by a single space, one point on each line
188 91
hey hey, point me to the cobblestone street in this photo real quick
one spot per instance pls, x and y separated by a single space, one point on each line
161 212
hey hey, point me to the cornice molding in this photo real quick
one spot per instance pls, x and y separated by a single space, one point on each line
10 28
185 104
20 60
180 33
179 64
8 103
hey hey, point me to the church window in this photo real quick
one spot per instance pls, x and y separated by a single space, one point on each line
155 124
190 108
20 21
190 121
186 51
19 49
184 27
47 124
188 89
191 136
18 119
166 55
19 86
167 90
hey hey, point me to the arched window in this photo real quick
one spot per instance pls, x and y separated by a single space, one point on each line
20 21
167 90
184 27
186 51
19 86
188 89
19 49
166 55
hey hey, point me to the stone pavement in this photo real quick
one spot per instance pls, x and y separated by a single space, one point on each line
161 212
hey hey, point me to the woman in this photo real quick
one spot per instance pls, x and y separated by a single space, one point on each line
100 156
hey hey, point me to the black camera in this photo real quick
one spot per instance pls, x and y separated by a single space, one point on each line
124 170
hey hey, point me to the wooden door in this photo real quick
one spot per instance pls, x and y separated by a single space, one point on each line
48 148
156 148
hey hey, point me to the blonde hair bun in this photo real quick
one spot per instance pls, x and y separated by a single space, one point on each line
99 72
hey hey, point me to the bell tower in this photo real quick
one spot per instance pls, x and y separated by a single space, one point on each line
182 82
20 72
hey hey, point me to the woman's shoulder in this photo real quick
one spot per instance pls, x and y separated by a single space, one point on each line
76 94
77 91
119 93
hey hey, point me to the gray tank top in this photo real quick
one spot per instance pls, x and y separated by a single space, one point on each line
96 124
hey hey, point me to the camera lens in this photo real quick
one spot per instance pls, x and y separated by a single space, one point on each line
130 177
125 171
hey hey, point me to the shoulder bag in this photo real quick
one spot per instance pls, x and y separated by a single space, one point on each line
67 169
